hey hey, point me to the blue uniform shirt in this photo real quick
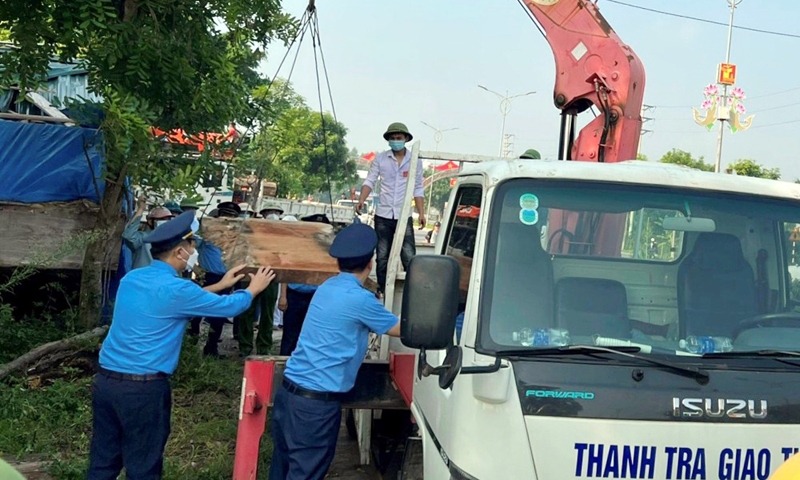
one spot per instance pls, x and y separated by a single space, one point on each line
152 307
334 338
302 287
210 257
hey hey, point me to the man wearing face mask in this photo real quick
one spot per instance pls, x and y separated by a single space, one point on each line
134 237
131 398
271 211
392 168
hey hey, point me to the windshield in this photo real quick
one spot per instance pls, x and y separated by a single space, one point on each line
678 272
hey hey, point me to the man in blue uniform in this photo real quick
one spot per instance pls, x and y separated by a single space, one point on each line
332 346
132 395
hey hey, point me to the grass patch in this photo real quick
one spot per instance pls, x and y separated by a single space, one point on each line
53 421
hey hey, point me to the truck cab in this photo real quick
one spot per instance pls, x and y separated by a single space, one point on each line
625 320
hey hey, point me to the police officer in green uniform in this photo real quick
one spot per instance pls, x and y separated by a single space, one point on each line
132 396
332 345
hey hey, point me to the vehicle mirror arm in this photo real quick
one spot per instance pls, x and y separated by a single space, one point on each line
496 366
426 369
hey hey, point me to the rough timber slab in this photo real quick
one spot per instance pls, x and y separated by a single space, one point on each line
32 231
296 251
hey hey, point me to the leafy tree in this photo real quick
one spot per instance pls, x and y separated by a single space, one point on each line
186 64
5 35
294 153
440 193
641 156
681 157
750 168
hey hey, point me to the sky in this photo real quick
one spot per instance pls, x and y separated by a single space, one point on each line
422 61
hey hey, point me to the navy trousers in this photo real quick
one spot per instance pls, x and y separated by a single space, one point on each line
293 317
130 428
304 434
384 228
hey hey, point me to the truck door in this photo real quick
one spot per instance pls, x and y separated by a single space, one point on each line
438 405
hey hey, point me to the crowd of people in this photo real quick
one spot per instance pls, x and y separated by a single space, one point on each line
325 327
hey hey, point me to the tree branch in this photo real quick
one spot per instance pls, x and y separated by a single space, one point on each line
49 348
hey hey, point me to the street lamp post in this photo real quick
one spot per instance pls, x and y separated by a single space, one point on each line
505 107
725 106
437 137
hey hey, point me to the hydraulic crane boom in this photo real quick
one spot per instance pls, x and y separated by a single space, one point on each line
593 68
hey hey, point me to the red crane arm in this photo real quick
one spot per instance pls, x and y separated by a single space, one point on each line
593 67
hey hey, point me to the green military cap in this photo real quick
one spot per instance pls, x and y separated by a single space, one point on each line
397 127
531 154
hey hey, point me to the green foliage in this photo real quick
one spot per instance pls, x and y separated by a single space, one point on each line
173 64
681 157
440 193
290 148
23 335
750 168
5 35
54 420
641 156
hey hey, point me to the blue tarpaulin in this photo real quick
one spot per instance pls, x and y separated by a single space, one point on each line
48 163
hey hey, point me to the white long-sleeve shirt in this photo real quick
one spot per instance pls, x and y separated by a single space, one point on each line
393 182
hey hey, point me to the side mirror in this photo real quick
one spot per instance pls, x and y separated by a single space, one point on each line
430 302
428 317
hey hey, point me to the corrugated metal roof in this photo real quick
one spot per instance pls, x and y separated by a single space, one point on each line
65 80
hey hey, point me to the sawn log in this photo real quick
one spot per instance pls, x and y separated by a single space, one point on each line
296 251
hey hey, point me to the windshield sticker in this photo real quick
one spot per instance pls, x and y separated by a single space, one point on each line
528 217
528 201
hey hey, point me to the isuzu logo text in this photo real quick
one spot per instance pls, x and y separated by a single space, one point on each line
718 408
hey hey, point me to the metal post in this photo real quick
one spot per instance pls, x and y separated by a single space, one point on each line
725 107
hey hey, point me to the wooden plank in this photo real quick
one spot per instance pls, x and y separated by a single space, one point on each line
35 118
296 251
37 230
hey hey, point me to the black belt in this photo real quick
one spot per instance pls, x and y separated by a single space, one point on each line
295 389
133 377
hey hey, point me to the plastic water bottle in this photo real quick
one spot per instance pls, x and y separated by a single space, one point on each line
542 337
706 344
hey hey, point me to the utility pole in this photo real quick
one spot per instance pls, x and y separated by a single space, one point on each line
437 137
645 131
725 111
505 107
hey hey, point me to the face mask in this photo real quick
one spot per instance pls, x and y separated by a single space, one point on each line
192 260
397 145
160 222
273 216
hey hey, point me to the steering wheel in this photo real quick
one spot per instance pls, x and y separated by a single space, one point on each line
563 231
767 318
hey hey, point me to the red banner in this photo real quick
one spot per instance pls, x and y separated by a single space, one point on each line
451 165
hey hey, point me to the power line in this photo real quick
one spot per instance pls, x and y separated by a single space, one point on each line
778 123
704 20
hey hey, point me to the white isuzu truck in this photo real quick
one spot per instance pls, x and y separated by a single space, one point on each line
625 320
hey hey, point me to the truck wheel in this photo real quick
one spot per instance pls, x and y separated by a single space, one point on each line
350 423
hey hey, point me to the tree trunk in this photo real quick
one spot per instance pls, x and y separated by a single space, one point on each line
98 252
49 348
